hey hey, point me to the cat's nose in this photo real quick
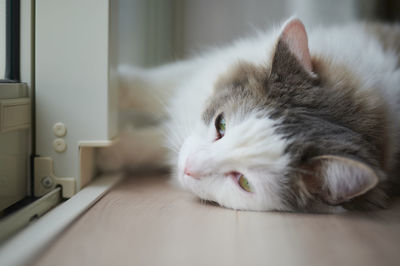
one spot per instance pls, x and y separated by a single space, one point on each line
190 169
190 172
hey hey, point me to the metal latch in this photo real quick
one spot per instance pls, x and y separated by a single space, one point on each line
45 180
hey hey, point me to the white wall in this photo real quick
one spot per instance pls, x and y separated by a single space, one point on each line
72 77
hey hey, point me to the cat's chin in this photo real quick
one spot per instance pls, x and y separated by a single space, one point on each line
198 187
194 185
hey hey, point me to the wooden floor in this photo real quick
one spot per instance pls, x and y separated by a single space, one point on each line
145 221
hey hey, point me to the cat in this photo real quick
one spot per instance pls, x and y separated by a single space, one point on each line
283 121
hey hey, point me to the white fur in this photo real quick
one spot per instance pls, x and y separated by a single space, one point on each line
250 146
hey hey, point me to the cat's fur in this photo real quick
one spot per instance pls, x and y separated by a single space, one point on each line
312 123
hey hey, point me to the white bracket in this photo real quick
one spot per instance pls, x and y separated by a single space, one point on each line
45 180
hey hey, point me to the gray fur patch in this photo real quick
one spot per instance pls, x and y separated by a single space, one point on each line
317 118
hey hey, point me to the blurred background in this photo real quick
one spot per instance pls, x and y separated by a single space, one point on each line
154 32
158 31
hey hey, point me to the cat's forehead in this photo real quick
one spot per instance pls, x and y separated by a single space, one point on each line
242 87
247 87
243 75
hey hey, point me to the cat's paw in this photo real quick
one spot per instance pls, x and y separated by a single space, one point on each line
109 159
131 87
138 91
134 149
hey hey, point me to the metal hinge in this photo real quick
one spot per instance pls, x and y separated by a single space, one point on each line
45 180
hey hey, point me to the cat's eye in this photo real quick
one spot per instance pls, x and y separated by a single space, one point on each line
244 183
220 126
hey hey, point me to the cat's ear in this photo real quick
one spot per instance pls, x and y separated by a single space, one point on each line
291 54
337 179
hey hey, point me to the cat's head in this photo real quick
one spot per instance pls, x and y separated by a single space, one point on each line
281 137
